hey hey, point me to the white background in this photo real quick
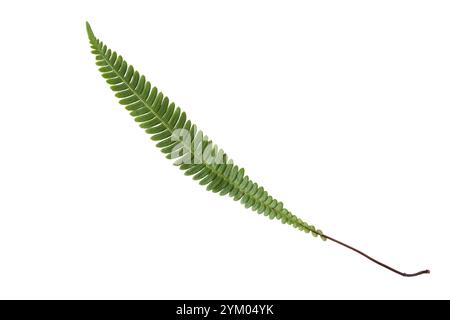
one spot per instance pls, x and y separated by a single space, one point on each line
339 108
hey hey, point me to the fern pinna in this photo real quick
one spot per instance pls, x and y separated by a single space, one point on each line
180 140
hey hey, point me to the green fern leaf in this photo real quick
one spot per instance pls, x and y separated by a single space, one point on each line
162 120
180 140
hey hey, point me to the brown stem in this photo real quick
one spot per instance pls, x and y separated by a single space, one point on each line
376 261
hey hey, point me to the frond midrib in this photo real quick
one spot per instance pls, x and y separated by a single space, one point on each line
239 190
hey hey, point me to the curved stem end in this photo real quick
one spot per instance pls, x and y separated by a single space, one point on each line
376 261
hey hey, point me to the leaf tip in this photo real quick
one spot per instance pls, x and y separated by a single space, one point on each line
89 30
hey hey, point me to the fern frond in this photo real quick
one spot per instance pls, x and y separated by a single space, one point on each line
161 119
196 155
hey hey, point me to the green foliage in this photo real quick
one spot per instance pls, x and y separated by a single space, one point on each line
161 119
